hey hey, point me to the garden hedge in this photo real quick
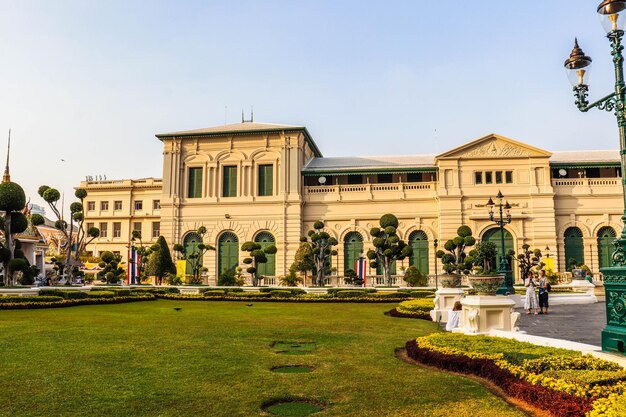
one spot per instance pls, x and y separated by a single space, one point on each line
73 302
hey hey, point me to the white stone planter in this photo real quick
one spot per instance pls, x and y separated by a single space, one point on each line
444 301
483 313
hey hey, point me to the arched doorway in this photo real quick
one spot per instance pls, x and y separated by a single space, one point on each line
493 235
419 242
352 250
268 268
190 244
574 247
606 236
227 252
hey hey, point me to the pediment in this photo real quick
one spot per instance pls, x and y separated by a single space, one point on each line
494 146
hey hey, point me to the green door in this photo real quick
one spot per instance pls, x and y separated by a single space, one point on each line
191 242
606 236
352 250
574 247
266 239
419 242
228 252
493 235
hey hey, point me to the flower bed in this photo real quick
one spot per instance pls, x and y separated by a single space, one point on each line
305 298
44 302
416 309
559 380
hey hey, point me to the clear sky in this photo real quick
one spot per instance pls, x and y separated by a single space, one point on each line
92 82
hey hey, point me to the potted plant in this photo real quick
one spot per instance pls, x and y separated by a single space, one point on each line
485 279
455 261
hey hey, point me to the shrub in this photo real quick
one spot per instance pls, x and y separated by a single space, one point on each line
333 291
66 294
101 294
588 377
227 279
250 294
281 293
29 299
394 295
414 277
213 293
350 293
419 306
558 363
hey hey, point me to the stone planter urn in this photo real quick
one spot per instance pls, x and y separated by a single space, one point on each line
486 284
450 280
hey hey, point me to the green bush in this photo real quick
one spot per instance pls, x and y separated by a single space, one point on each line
250 294
419 293
281 293
394 295
350 293
214 293
333 291
101 294
419 306
29 299
66 294
149 290
588 377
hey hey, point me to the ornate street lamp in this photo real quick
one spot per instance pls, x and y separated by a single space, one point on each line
613 16
503 219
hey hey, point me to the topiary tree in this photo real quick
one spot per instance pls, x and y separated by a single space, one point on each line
321 250
303 260
256 256
456 260
291 279
529 259
160 262
76 241
388 247
414 278
143 254
110 270
352 278
12 201
484 257
196 255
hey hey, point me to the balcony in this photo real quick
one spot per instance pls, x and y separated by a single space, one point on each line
587 186
369 192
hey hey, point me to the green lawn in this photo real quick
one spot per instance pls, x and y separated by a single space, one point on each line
214 359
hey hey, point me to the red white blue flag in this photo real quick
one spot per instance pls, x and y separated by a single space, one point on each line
360 266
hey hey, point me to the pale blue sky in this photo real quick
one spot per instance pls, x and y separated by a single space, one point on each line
92 82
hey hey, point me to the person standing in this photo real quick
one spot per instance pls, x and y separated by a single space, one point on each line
530 303
543 292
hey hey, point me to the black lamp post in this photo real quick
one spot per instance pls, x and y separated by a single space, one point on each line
613 16
501 221
435 244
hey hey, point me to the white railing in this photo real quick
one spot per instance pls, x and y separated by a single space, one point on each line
368 188
585 182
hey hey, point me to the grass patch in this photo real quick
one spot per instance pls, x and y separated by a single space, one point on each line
293 348
292 369
212 359
293 409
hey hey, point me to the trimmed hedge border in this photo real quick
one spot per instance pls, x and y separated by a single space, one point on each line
280 299
395 313
74 302
559 404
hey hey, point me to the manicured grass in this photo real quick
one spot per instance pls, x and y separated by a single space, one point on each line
214 359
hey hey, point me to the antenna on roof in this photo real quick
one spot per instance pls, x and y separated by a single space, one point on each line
251 116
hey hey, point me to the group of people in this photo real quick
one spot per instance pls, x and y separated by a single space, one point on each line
533 303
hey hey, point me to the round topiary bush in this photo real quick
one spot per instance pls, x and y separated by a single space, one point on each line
51 195
388 220
107 256
12 196
37 219
19 222
81 193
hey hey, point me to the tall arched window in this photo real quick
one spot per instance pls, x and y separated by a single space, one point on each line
352 250
227 252
190 243
493 235
574 248
268 268
606 236
419 242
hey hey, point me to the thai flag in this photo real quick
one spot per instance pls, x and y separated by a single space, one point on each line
133 262
360 266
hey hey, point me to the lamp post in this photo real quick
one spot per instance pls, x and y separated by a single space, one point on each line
502 220
435 244
613 16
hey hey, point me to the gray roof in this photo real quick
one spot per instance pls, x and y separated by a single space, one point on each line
234 128
370 162
564 157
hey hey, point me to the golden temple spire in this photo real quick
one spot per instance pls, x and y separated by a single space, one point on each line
7 177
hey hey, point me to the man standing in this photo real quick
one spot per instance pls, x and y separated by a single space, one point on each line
543 292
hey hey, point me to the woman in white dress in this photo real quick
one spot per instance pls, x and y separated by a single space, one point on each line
531 302
454 316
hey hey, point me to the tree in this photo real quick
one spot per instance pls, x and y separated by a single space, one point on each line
143 253
110 270
256 256
456 260
195 255
388 247
12 201
529 259
291 279
351 277
76 242
303 260
414 278
160 262
321 249
484 257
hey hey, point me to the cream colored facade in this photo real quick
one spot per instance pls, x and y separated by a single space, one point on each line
122 206
549 193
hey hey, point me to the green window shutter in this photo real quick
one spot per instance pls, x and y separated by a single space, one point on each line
195 183
352 249
230 182
574 246
266 180
266 239
228 252
606 236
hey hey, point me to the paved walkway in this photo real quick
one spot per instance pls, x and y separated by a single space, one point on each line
577 323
